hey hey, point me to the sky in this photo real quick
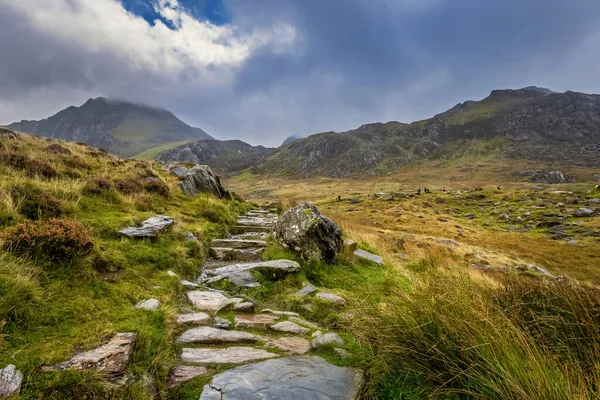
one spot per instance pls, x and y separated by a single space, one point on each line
262 70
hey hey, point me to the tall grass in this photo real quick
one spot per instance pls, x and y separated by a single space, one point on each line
456 336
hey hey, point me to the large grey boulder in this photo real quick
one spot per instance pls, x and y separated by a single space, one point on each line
314 236
111 358
298 378
150 228
201 179
583 212
10 381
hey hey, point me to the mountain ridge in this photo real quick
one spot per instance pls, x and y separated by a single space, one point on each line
119 126
528 123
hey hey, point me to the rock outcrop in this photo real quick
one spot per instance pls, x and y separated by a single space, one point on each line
314 236
201 179
150 228
111 358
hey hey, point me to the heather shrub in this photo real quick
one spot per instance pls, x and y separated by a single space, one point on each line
34 203
31 167
128 186
98 185
55 240
57 149
155 185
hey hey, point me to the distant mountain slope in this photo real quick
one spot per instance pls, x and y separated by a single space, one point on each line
119 126
224 157
532 123
291 139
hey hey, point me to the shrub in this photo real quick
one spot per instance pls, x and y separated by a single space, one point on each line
31 167
35 203
56 240
98 185
155 185
76 163
129 185
57 149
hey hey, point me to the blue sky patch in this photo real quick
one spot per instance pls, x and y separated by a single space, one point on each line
213 11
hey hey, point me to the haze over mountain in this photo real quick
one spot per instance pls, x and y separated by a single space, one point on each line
529 123
121 127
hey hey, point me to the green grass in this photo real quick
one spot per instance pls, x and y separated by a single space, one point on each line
150 154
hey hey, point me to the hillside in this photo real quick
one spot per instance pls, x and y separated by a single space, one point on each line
225 157
530 123
121 127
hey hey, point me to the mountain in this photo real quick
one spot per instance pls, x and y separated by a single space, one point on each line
530 123
121 127
224 157
291 139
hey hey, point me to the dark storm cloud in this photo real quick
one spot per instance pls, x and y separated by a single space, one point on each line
353 62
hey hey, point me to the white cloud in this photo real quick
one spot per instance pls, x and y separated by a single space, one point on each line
104 26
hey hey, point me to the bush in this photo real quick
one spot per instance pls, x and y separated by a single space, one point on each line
31 167
57 149
98 185
129 186
35 203
155 185
55 240
76 163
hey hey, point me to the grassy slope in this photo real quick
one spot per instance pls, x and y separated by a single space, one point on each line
48 312
151 154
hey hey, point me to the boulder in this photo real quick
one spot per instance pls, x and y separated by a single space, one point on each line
150 305
111 358
150 228
299 377
583 212
306 290
328 339
365 255
331 298
10 376
201 179
314 236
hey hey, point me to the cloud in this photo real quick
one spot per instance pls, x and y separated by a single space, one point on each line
260 71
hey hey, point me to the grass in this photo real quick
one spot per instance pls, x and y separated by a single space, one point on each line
150 154
48 313
427 326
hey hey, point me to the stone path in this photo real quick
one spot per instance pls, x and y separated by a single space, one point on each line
271 343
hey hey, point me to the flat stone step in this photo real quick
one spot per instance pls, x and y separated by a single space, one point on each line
299 377
249 228
290 327
230 355
229 254
365 255
260 321
239 243
184 373
211 335
258 222
194 318
208 301
290 344
250 236
239 274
